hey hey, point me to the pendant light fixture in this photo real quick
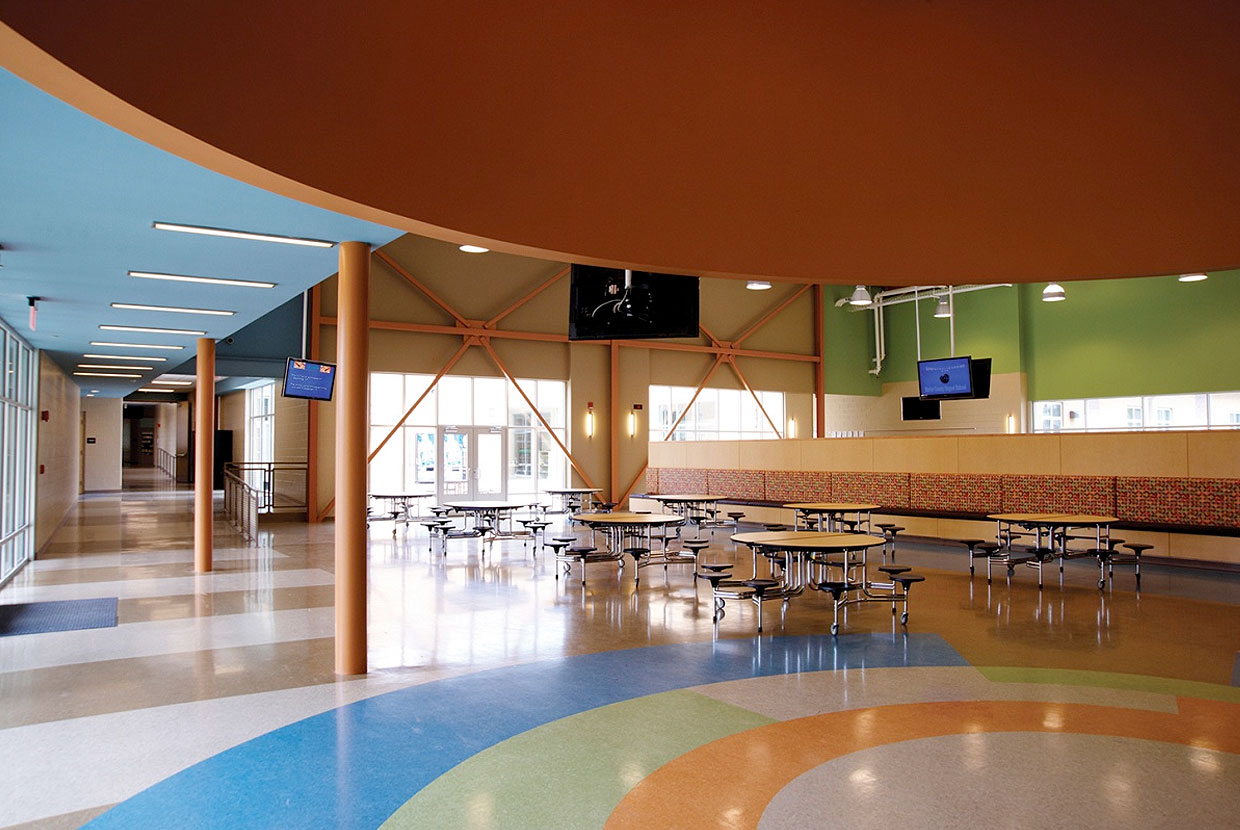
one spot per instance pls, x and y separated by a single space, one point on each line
1053 293
943 309
860 297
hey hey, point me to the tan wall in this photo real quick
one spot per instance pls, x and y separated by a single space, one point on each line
480 287
104 423
869 415
232 416
59 446
1193 454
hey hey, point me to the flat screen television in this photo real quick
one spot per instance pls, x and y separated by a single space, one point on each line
945 378
309 379
614 304
980 374
916 409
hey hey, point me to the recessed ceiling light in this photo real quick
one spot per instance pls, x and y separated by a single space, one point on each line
474 249
233 234
126 357
1193 277
105 375
137 346
174 309
1053 293
757 285
155 275
151 330
112 366
174 382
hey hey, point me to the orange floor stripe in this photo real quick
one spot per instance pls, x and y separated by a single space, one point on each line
728 783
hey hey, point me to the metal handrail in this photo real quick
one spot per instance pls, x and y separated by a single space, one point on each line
260 476
241 504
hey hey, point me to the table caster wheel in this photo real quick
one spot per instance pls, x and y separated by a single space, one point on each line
1102 583
904 618
835 629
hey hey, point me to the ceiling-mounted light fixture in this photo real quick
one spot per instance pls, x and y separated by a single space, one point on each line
124 357
943 309
757 285
1198 277
232 234
154 330
1053 293
117 345
173 309
474 249
155 275
860 297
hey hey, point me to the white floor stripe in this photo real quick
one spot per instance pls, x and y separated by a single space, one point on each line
168 586
150 557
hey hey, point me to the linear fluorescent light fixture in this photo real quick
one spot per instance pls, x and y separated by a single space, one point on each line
105 375
125 357
1053 293
234 234
757 285
156 275
149 389
110 344
474 249
151 330
215 312
173 382
113 366
1198 277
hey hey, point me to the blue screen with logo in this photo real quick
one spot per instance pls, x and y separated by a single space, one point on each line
949 377
309 379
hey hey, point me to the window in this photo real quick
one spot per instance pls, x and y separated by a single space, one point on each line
260 417
716 414
1199 411
406 464
18 398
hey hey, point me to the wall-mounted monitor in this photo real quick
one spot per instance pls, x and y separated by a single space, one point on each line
614 304
918 409
980 375
945 378
309 379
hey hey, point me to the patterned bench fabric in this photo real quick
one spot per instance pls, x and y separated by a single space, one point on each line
786 486
652 480
682 480
1059 494
749 485
955 492
1205 502
886 489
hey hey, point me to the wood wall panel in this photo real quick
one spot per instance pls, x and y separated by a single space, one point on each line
838 454
768 455
1214 454
1027 454
916 455
1124 454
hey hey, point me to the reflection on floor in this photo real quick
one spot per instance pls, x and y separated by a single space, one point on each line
500 696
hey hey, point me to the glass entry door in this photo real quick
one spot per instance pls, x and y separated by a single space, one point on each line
471 463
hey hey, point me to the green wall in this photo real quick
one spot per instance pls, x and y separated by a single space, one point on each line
849 347
1146 336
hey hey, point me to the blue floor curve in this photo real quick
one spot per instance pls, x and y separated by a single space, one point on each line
354 766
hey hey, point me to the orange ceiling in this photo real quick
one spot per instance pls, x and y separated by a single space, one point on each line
923 141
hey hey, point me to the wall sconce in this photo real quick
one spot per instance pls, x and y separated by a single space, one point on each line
590 419
792 428
633 419
1011 424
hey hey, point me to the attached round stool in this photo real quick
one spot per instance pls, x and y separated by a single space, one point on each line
581 552
714 577
557 551
839 595
637 553
760 587
905 581
695 547
974 553
1137 549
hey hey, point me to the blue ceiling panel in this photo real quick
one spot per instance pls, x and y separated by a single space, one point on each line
77 199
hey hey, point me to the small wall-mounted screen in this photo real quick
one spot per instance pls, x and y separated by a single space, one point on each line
309 379
948 377
916 409
610 304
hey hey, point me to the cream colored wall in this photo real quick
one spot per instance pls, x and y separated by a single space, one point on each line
232 416
104 423
869 415
1192 454
727 310
58 449
166 428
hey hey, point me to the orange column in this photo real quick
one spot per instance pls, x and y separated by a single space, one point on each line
352 348
204 455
